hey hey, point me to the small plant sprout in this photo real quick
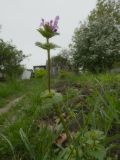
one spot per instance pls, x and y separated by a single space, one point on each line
48 30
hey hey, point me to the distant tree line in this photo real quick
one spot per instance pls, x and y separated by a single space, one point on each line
62 61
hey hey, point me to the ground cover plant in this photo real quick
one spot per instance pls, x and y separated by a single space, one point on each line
84 125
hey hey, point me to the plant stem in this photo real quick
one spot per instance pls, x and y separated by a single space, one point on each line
49 70
63 122
65 126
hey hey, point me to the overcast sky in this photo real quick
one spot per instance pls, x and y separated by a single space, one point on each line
21 18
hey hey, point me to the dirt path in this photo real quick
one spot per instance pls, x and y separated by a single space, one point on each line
10 105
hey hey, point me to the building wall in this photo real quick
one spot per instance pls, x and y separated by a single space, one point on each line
26 74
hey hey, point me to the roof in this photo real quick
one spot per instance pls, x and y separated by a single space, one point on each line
38 67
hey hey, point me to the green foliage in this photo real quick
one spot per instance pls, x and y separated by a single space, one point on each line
9 90
29 108
91 146
88 111
40 73
47 32
27 143
53 98
10 58
47 46
96 43
9 143
63 74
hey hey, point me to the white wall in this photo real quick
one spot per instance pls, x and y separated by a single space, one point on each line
26 74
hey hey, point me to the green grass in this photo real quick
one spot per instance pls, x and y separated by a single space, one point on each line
91 106
11 90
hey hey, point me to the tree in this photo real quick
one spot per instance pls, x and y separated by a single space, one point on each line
96 43
10 59
62 60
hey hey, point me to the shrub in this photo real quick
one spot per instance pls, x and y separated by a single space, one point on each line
40 73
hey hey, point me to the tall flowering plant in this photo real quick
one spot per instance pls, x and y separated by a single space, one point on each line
48 30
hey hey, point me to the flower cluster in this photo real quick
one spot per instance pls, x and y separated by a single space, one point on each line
52 24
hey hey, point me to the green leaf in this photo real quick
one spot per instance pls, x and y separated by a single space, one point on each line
46 94
10 144
47 33
27 143
46 46
57 98
54 97
99 153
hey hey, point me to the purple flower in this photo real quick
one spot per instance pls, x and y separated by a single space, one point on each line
42 22
55 26
52 24
56 20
